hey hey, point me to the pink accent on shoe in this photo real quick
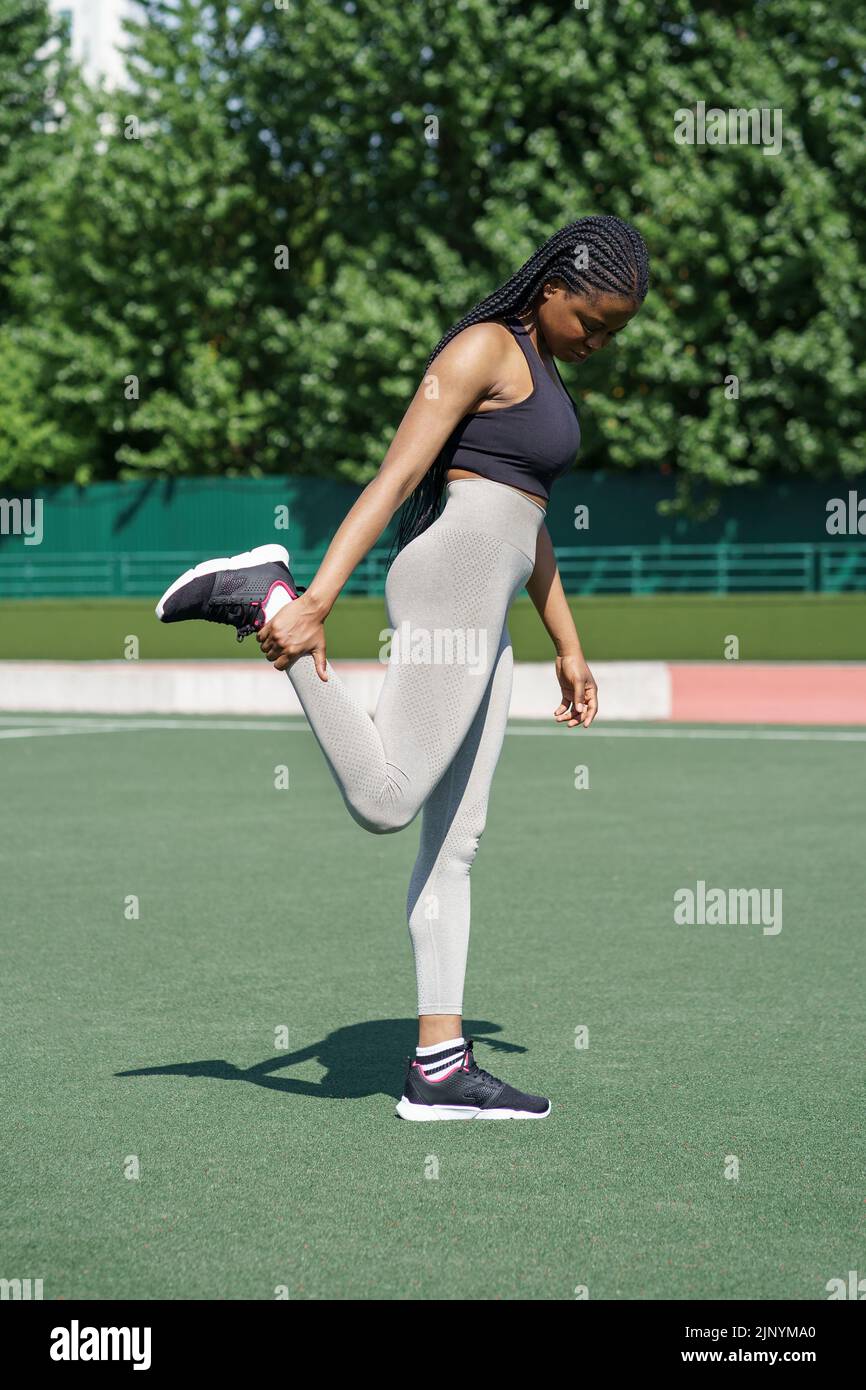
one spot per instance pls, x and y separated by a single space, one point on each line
279 584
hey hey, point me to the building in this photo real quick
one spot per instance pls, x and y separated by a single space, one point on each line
96 35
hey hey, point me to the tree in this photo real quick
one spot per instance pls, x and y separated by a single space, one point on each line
35 78
409 158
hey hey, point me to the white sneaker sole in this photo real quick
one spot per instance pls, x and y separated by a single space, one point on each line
262 555
409 1110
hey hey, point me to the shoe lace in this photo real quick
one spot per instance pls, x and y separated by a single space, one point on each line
244 614
471 1066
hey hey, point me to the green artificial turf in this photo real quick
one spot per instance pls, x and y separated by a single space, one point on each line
770 627
263 1165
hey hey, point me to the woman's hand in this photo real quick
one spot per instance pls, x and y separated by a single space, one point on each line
579 692
296 629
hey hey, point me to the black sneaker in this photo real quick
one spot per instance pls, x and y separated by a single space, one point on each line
232 590
465 1092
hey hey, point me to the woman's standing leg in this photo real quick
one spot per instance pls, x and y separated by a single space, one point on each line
443 1080
453 821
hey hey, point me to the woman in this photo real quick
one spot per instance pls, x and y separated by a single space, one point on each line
494 425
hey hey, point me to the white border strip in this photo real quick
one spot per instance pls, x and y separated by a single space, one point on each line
632 689
26 726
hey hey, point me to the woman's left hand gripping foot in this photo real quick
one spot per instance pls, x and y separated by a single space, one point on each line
294 631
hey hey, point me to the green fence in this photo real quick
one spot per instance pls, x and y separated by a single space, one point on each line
831 567
131 539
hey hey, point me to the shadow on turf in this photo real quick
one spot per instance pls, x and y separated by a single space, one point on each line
359 1060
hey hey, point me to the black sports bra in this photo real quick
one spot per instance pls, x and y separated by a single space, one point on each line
527 445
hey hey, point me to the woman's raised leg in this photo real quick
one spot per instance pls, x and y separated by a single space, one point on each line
448 595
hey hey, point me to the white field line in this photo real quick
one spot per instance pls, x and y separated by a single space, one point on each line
20 726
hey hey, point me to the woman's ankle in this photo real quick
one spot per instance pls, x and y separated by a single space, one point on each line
438 1028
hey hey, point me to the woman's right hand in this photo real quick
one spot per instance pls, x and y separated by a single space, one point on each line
296 629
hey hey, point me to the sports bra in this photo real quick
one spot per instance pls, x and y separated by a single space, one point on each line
527 445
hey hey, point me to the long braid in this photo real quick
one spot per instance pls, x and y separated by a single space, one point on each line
616 262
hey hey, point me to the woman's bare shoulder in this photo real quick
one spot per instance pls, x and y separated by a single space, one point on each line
479 351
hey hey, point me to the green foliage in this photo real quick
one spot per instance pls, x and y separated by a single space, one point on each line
149 328
29 71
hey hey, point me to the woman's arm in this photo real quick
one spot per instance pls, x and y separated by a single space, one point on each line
546 591
579 690
467 371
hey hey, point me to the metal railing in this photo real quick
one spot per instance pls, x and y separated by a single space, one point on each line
820 567
823 567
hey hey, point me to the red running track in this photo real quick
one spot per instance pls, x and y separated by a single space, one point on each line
770 693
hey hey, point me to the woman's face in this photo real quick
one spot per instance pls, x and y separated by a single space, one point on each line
574 327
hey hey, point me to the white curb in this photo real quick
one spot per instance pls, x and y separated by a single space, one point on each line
627 689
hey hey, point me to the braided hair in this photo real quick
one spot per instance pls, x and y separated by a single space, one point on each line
616 263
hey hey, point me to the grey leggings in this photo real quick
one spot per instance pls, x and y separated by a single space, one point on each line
437 733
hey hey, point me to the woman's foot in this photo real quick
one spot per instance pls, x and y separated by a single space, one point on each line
243 590
463 1091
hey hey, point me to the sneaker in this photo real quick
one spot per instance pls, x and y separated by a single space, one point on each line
465 1092
232 590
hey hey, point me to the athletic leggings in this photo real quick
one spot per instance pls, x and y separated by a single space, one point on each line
435 738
